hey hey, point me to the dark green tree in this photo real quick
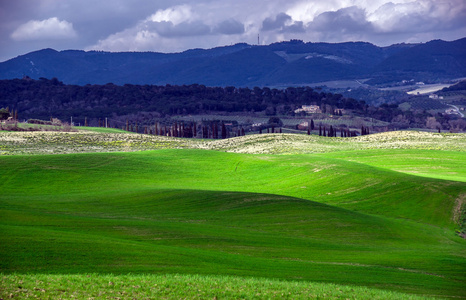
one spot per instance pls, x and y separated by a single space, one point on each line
4 113
224 131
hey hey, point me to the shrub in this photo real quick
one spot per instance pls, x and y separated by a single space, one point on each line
4 113
40 122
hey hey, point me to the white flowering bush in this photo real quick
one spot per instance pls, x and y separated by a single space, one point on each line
46 142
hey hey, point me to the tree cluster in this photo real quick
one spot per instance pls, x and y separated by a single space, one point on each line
41 99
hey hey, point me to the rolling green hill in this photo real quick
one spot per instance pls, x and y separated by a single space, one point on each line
350 215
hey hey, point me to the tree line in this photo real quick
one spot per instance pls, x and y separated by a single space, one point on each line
43 98
46 98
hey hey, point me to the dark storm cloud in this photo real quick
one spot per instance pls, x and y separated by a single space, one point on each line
296 27
275 23
282 23
168 29
346 20
229 27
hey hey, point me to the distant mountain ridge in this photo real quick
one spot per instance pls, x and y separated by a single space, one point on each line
278 64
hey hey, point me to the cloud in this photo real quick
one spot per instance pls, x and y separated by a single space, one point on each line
229 27
282 23
177 25
170 30
50 29
176 14
419 16
277 23
346 20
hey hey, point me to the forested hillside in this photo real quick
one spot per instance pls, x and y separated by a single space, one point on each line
43 99
291 63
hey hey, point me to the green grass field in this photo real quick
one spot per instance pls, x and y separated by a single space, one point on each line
373 221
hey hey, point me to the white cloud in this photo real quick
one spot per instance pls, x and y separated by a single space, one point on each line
50 29
176 14
172 29
417 16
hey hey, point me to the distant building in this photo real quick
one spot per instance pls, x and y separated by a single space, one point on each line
451 111
303 125
436 97
310 109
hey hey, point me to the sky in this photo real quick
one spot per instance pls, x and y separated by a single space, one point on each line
178 25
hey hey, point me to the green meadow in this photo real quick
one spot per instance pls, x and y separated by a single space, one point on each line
366 220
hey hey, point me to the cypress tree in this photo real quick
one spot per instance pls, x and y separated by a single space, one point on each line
224 131
214 130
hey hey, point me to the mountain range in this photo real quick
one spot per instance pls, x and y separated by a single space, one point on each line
280 64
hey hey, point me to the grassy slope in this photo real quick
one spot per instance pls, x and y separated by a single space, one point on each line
448 165
98 286
192 211
101 129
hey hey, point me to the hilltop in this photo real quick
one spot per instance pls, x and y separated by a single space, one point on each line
280 64
83 141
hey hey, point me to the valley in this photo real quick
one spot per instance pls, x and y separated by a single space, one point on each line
379 213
